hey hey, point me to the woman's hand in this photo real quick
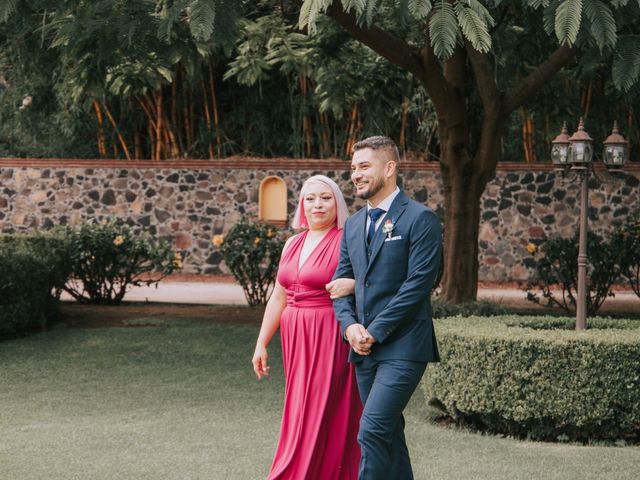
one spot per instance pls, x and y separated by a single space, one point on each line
341 287
259 362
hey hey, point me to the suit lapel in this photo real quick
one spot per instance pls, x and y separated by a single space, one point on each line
359 236
397 209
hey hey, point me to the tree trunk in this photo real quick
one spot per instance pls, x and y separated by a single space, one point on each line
461 223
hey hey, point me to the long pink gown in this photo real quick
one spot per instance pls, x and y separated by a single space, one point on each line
321 403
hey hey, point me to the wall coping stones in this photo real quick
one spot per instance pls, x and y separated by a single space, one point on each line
239 162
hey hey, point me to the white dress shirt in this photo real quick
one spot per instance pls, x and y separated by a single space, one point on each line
385 205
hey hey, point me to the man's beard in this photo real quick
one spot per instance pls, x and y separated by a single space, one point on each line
375 185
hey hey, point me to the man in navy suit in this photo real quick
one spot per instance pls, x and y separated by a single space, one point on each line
392 248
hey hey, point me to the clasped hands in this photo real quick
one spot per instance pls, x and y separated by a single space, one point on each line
359 338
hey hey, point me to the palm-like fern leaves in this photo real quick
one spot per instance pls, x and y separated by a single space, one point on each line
567 21
419 8
603 25
443 29
475 20
311 9
626 64
201 15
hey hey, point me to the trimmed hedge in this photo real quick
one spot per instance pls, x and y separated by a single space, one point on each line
33 269
480 308
533 377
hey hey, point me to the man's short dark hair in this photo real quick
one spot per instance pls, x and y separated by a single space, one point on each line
378 142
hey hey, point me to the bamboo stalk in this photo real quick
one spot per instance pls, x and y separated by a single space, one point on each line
137 147
307 132
324 134
403 125
151 124
177 144
171 138
102 148
353 129
191 118
115 127
216 115
152 140
207 117
532 139
159 118
586 100
185 119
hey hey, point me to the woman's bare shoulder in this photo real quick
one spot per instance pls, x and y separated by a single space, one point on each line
290 239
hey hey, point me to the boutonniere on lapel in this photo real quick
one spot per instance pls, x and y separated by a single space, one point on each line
388 228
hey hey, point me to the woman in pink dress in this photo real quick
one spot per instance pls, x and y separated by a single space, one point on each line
318 435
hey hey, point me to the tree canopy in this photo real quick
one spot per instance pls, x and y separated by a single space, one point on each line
463 82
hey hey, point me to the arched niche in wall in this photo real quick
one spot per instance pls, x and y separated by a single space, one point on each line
273 201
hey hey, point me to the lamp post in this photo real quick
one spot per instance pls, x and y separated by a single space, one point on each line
576 152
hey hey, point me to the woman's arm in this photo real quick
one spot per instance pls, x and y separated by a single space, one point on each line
270 323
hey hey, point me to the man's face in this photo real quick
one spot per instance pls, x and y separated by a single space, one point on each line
369 171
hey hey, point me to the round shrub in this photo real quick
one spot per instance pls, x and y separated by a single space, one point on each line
252 251
533 377
107 257
557 268
33 269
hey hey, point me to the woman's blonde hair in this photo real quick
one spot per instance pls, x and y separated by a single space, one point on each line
299 219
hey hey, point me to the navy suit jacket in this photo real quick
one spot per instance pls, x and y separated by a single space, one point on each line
394 276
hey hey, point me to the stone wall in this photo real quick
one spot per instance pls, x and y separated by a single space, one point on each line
190 201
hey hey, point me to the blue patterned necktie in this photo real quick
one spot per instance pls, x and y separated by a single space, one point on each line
374 215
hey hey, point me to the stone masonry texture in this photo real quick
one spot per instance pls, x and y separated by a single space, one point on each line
188 205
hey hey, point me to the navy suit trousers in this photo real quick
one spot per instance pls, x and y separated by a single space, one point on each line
385 389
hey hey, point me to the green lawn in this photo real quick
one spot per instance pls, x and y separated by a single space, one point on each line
178 400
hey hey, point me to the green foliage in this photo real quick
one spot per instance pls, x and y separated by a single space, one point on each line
443 30
626 63
603 25
508 375
201 16
419 8
568 20
480 308
626 242
146 60
106 258
33 270
475 21
252 252
558 268
310 10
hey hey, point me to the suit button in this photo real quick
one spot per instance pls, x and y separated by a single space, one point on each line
366 314
366 284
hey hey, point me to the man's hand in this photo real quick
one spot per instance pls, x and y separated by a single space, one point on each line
359 339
